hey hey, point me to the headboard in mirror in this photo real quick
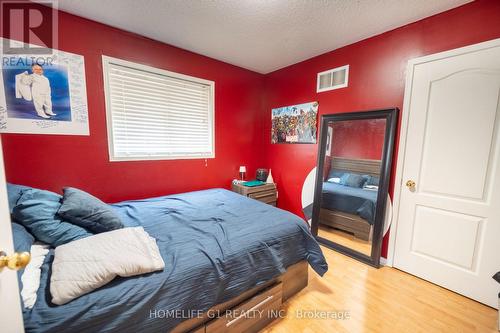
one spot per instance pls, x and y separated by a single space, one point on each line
361 166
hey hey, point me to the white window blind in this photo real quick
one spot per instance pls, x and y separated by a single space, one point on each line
157 114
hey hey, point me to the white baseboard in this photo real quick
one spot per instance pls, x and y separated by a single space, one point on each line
383 261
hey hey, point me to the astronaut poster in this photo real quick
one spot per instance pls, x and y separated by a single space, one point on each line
43 94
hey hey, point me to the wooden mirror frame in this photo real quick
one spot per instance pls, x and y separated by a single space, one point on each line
390 116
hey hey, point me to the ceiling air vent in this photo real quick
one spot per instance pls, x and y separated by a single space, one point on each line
333 79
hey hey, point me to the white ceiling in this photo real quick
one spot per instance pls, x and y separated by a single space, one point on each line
260 35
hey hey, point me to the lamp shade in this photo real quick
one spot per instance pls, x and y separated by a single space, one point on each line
243 168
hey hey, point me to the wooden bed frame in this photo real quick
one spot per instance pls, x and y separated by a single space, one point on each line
261 303
351 223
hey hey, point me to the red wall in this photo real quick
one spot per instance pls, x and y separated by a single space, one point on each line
361 139
54 161
376 80
358 139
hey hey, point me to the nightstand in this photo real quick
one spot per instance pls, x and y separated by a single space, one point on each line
266 193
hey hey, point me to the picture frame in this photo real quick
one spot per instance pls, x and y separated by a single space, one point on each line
43 94
295 123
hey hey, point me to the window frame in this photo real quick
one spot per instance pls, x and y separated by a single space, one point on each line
106 62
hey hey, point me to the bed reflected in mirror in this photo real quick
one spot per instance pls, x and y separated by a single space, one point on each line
347 215
352 174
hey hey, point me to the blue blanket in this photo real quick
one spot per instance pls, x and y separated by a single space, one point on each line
352 200
216 244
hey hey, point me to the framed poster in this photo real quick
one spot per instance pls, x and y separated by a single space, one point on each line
295 124
43 94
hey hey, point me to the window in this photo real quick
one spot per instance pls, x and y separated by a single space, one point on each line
156 114
333 79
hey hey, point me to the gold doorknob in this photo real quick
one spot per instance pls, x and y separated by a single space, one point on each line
410 183
15 261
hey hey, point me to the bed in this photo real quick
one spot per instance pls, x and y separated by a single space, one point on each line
350 209
220 249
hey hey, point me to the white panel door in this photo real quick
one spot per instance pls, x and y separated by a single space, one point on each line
448 228
11 320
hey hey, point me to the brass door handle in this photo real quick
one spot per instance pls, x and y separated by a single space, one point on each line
15 261
410 184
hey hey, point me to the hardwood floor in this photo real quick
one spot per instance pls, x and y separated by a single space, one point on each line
379 300
346 239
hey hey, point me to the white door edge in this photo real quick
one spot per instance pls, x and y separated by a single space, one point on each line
11 315
405 115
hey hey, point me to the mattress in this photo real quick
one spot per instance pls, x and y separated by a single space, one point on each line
352 200
216 244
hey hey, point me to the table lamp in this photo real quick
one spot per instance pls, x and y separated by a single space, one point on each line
243 170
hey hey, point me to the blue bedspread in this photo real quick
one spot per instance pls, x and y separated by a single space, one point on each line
352 200
216 244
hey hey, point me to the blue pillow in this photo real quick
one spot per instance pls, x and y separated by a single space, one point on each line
352 180
22 238
22 243
36 210
85 210
372 180
14 192
335 174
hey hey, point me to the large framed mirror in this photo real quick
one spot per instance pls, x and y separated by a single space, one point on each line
352 182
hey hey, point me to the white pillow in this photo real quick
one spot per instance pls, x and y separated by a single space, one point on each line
334 180
31 274
370 187
86 264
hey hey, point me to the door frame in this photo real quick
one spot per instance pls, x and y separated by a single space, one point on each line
405 116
